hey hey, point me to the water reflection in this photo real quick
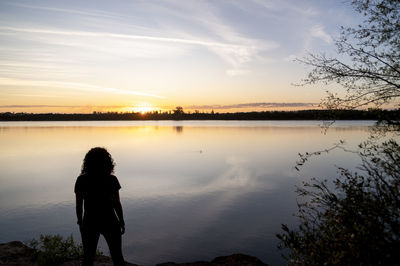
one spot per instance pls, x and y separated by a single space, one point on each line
178 129
190 191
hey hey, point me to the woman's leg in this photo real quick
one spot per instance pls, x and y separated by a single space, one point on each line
90 238
114 242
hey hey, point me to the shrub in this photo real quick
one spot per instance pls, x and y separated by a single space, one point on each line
54 249
357 221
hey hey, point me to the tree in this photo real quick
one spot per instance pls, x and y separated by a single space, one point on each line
370 72
357 221
178 110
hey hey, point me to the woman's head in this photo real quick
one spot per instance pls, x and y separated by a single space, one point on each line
98 161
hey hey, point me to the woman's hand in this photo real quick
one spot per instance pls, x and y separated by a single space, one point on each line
118 210
79 209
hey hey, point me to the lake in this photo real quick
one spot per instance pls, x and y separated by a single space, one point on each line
191 190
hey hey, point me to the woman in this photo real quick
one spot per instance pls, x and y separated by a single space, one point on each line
96 190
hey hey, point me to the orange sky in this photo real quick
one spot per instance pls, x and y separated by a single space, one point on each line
70 56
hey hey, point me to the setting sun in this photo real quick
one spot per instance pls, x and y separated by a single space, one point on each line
142 109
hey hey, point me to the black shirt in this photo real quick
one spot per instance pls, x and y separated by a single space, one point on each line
97 192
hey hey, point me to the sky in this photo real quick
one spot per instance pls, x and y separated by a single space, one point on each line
141 55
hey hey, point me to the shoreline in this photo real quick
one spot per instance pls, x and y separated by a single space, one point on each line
372 114
17 253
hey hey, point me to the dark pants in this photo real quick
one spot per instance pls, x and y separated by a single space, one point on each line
90 238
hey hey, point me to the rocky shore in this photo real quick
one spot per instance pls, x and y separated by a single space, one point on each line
16 253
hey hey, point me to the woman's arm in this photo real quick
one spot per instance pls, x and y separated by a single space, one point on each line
79 208
118 210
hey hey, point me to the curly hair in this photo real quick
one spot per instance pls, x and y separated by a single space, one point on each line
98 161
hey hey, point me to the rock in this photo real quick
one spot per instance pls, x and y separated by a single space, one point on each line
237 260
16 253
197 263
232 260
99 261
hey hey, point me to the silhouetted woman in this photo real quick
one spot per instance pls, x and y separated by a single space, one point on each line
96 190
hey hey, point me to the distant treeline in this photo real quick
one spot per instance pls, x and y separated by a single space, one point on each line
179 114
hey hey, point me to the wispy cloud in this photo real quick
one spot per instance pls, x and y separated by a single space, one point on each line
157 47
58 106
319 32
72 85
253 105
199 107
176 28
311 38
236 52
308 11
67 10
207 15
119 36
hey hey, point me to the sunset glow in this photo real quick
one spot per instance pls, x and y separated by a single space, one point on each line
142 109
73 56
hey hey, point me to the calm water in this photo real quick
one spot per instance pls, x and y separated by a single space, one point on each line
191 190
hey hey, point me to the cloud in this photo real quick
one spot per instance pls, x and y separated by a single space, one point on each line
252 105
207 15
118 36
72 85
176 27
318 31
199 107
57 106
294 7
67 10
235 54
237 175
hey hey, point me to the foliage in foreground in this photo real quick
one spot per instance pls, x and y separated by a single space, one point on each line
357 221
54 249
